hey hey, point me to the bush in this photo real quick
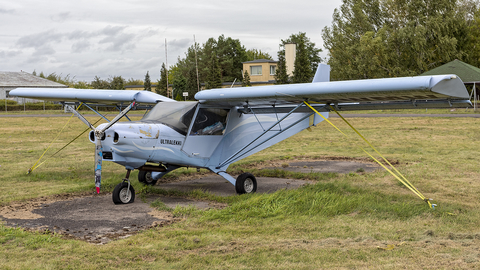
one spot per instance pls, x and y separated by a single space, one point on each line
9 102
14 106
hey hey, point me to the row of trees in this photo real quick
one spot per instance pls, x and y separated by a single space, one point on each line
393 38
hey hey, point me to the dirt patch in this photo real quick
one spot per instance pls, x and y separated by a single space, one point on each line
350 163
219 186
325 166
93 218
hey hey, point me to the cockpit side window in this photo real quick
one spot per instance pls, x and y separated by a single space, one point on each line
176 115
210 121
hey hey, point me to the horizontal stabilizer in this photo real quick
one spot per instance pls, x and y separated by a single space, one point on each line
90 95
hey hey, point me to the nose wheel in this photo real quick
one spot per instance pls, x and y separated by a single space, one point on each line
124 192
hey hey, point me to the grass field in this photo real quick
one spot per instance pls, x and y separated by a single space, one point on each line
343 221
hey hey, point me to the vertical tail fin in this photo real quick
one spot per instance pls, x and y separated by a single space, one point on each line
322 74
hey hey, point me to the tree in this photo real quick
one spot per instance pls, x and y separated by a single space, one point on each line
214 76
303 72
229 54
254 54
246 79
81 85
186 67
306 61
147 85
390 38
179 86
281 76
306 50
116 83
98 83
191 85
133 81
473 36
161 87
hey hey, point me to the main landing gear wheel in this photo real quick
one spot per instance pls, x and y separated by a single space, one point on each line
122 194
146 178
246 183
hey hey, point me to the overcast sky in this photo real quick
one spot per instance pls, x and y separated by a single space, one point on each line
106 38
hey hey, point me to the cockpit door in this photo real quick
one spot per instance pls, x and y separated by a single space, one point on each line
206 132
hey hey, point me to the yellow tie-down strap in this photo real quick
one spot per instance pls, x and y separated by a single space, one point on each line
395 174
36 165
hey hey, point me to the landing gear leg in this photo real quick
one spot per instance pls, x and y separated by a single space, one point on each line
124 192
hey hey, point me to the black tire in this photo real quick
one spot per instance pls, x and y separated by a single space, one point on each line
120 194
146 178
246 183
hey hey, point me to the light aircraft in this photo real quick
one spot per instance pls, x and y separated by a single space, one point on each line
227 125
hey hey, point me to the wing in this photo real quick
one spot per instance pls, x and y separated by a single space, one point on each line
362 93
90 95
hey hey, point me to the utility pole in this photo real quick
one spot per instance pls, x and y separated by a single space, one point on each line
166 66
196 64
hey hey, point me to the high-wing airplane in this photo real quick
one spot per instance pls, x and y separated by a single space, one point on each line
227 125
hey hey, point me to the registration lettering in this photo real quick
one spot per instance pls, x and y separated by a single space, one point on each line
171 142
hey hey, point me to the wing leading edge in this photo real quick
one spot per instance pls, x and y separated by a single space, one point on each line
90 95
373 90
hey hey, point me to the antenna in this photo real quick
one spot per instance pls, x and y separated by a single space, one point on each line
233 83
166 66
196 64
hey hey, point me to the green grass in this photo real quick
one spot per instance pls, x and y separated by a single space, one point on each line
339 221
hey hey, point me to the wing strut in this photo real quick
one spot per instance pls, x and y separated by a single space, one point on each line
239 153
95 111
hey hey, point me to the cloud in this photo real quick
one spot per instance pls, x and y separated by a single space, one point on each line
6 11
81 46
39 40
111 30
108 39
44 50
61 17
9 54
119 42
77 34
179 43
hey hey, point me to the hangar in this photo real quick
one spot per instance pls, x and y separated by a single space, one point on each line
11 80
469 74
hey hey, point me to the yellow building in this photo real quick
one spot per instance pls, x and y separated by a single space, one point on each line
261 71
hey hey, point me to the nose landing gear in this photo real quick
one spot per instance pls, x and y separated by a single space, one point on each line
124 192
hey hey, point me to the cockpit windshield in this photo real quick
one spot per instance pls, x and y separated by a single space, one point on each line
177 115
